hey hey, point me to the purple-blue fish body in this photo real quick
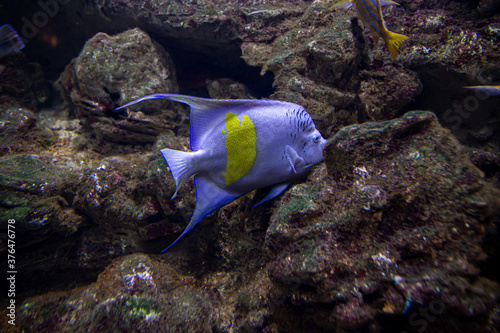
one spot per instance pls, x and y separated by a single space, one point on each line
239 146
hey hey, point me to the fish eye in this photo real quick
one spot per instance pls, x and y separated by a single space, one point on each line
316 139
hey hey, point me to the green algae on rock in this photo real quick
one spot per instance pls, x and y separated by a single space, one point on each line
20 131
134 291
28 173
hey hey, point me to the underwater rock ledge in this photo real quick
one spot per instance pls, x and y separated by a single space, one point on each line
393 222
113 70
398 223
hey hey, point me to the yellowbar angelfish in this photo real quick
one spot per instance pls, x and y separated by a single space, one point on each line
370 12
238 146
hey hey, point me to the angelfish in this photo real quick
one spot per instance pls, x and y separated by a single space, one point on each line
370 12
238 146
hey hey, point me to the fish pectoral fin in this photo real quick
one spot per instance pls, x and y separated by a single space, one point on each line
294 158
273 193
209 198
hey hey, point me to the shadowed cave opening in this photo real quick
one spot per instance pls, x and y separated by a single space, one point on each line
195 66
472 119
204 53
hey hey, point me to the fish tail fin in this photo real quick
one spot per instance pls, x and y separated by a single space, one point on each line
393 42
181 165
344 4
9 40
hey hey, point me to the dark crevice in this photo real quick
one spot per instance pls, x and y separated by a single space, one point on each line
489 267
194 67
456 107
113 96
204 54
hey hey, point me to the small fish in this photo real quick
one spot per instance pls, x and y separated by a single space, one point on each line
239 146
486 90
370 12
10 41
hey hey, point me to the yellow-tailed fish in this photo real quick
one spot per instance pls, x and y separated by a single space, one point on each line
239 146
370 12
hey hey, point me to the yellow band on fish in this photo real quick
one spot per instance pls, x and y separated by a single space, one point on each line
241 147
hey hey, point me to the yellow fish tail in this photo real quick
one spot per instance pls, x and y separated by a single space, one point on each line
393 42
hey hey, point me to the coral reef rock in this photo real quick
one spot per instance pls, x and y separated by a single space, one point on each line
134 291
398 223
113 70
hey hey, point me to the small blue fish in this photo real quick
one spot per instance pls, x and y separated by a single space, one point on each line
239 146
486 90
9 40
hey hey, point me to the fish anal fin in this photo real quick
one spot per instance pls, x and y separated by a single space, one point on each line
209 198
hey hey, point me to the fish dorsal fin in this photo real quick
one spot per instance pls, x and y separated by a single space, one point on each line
204 113
209 198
